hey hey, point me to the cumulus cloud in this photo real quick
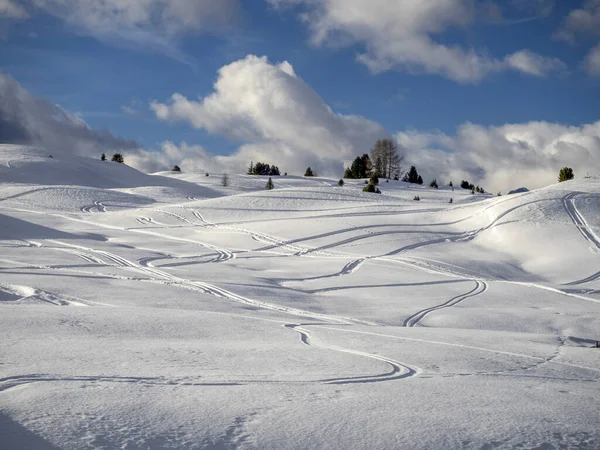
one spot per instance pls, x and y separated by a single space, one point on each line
505 157
27 119
146 24
584 23
191 158
404 35
533 64
277 116
581 22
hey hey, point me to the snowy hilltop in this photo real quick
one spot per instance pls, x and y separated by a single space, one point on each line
192 310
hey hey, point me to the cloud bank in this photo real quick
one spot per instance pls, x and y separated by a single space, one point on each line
405 35
27 119
505 157
279 119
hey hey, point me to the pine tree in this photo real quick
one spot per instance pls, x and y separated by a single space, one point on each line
309 172
251 168
269 184
117 157
374 180
103 157
340 182
565 174
176 168
412 176
419 180
225 179
433 183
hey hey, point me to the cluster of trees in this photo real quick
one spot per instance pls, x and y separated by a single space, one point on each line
176 168
412 176
384 161
466 185
262 169
361 167
117 157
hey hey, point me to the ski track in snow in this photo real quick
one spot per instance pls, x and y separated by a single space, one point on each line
398 370
97 205
416 318
569 204
587 233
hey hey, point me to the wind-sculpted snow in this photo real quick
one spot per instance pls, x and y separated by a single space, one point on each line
168 311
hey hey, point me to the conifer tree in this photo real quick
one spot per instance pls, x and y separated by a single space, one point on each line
269 184
565 174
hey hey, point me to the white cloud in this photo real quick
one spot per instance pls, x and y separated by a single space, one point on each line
280 119
147 24
403 35
584 22
27 119
8 8
592 61
533 64
504 157
581 21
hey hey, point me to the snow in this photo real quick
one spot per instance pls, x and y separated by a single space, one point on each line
167 311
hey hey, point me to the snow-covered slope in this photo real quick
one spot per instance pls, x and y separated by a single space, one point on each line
167 311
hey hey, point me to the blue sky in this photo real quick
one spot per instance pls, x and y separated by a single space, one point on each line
101 74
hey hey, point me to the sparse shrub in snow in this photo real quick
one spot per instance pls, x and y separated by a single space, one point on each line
176 168
387 181
451 201
417 198
269 184
117 157
309 172
103 157
433 183
206 173
565 174
499 194
225 179
371 188
366 182
340 182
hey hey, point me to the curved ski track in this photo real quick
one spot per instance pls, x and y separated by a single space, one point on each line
411 321
576 217
398 370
